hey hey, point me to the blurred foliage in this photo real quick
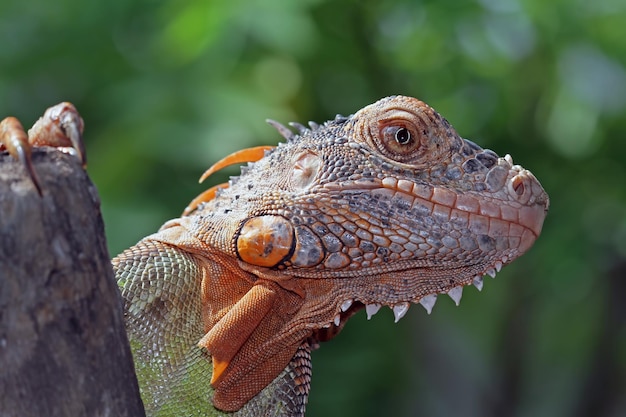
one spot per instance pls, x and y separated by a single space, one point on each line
168 87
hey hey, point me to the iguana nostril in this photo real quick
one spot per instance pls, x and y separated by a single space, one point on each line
518 186
265 240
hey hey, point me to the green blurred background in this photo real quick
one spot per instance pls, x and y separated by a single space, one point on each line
168 87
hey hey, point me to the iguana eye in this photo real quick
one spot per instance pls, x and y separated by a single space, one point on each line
399 141
403 136
407 132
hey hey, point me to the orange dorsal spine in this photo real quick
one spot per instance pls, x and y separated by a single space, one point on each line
239 157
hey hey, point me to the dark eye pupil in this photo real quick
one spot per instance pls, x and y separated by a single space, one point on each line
403 136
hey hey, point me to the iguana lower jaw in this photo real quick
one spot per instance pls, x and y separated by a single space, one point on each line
347 307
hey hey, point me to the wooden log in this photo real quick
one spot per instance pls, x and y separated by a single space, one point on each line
63 347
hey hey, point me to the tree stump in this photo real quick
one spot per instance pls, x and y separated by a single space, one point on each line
63 347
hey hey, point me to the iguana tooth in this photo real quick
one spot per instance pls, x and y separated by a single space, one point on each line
345 305
498 266
428 302
491 272
337 320
456 293
478 282
399 310
371 309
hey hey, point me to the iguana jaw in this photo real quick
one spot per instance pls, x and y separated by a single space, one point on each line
350 305
374 289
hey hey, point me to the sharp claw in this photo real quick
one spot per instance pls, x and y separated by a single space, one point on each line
15 140
24 158
75 135
60 126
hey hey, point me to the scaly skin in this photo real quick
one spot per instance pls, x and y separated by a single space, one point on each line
387 207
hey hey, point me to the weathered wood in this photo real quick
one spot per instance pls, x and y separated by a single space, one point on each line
63 348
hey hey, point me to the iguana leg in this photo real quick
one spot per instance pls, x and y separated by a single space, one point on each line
61 126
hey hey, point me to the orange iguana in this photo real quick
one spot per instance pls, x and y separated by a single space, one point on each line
387 207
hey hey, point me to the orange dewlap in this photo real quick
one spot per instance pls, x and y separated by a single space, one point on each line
232 331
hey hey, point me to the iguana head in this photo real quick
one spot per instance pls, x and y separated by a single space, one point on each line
389 206
392 188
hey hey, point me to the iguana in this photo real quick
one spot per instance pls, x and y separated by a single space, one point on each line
386 207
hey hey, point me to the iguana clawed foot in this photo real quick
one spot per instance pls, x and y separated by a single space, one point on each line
60 126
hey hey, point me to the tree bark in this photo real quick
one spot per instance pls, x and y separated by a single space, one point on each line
63 347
